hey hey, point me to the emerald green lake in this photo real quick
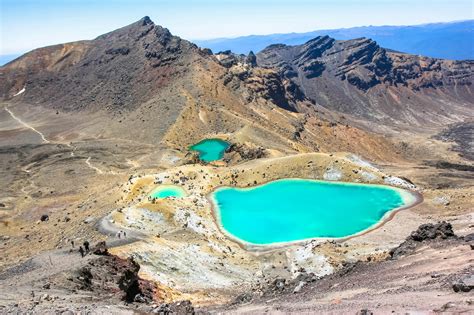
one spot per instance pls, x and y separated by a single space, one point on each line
166 191
297 209
210 149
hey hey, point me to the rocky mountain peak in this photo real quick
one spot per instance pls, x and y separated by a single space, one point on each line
146 21
130 64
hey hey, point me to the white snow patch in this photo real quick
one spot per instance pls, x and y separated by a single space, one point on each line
441 200
312 262
368 176
21 91
332 174
202 116
162 178
396 181
359 161
191 220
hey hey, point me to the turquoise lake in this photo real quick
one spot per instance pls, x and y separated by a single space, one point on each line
210 149
296 209
166 191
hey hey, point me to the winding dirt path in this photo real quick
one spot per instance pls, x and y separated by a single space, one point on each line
88 162
27 125
45 140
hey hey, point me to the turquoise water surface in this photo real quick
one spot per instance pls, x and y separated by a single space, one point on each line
166 191
210 149
296 209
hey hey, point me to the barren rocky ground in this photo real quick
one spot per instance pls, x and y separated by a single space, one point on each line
89 129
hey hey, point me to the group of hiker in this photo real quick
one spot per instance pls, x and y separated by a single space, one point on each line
121 234
84 249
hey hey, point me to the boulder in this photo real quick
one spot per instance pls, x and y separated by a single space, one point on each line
465 284
101 249
181 307
243 298
251 59
441 230
425 232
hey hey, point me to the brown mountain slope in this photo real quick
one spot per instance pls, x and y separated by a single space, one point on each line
143 84
360 78
118 70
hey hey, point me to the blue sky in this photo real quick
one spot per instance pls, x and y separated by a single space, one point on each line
28 24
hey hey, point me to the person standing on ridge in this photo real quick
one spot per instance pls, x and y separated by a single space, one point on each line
86 246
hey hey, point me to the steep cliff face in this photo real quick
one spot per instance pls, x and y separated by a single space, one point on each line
257 82
359 77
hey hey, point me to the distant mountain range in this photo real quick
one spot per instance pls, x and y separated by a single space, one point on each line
454 40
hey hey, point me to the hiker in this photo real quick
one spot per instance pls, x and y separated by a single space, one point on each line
124 234
118 234
81 250
72 243
86 246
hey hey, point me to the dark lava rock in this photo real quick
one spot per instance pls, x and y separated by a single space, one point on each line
206 51
461 134
118 51
109 275
469 237
44 217
243 298
425 232
129 281
442 230
139 298
101 249
251 59
181 307
451 166
246 152
278 285
465 284
85 279
407 180
365 312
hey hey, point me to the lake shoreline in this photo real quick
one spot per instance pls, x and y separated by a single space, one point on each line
410 198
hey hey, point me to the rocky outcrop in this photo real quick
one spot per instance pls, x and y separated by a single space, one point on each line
461 134
426 232
179 307
243 151
111 274
251 59
364 64
465 284
361 78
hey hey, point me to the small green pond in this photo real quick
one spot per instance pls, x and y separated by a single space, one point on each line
297 209
165 191
210 149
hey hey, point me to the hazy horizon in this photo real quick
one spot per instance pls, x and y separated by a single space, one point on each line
5 58
56 21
